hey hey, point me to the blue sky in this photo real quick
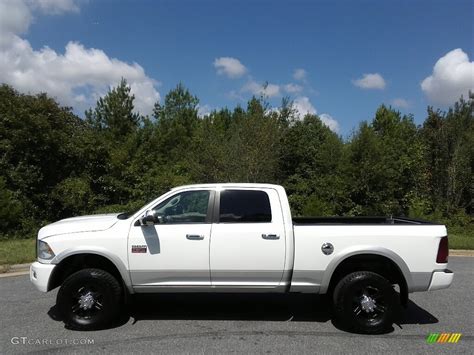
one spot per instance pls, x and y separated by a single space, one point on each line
335 43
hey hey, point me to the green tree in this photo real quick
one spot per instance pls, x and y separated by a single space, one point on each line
449 157
40 145
114 113
310 167
11 212
54 164
242 145
177 120
115 136
384 161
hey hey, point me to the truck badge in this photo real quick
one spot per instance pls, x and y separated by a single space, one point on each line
138 248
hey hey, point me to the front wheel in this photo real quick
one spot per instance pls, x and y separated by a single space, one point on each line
365 302
89 299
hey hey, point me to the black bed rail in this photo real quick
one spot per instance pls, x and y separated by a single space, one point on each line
360 220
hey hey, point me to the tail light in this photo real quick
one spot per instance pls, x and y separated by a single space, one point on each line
443 251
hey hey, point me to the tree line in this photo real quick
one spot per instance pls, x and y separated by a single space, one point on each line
54 164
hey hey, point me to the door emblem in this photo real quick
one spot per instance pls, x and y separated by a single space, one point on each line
138 248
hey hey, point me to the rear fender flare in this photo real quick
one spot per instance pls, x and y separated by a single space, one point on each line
348 252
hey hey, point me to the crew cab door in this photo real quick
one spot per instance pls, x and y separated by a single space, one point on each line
248 239
175 250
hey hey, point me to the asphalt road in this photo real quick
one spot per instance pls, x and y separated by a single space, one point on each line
236 323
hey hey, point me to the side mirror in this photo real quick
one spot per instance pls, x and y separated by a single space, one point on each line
149 220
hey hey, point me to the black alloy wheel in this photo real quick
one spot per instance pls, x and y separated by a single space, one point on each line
365 302
89 299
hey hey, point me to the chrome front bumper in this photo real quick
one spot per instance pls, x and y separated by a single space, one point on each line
40 274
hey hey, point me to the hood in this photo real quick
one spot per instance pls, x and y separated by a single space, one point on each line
92 223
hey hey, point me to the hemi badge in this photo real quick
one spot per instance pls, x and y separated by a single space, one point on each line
138 248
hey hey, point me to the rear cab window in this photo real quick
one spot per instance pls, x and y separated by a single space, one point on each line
244 206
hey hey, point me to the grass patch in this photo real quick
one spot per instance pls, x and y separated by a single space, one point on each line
460 240
17 251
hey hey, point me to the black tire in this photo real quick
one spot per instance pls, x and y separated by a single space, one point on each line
365 302
89 299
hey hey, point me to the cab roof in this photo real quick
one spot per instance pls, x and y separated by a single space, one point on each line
228 185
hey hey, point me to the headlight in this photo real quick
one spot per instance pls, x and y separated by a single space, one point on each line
44 251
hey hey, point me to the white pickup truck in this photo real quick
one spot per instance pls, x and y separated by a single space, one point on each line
238 238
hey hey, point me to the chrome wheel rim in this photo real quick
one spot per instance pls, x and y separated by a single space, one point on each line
87 302
369 304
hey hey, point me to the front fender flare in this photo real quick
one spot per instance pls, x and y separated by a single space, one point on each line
114 259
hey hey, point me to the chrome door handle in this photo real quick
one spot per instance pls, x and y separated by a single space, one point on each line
194 237
270 236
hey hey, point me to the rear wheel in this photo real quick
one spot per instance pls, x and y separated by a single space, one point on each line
89 299
365 302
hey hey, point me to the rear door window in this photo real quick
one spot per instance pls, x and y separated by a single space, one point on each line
244 206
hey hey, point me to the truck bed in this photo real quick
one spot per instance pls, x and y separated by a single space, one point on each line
358 221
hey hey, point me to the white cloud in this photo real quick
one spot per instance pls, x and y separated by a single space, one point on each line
453 76
303 107
204 110
400 103
55 7
268 90
15 17
143 87
299 74
329 121
293 88
271 90
370 81
235 95
231 67
76 77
